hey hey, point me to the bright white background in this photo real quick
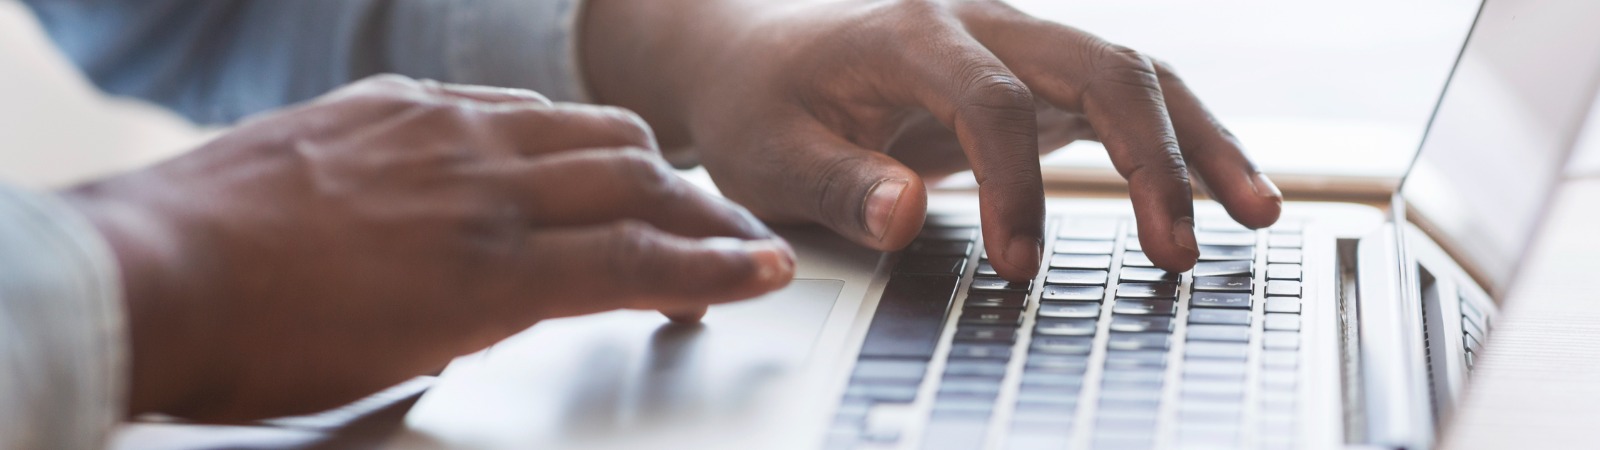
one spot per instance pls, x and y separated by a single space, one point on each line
1335 87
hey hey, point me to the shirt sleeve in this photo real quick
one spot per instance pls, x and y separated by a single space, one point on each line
63 348
216 61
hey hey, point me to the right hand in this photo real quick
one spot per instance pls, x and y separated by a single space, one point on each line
320 254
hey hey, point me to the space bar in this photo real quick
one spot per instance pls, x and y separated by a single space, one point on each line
910 316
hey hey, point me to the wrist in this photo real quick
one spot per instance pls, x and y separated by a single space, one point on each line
162 333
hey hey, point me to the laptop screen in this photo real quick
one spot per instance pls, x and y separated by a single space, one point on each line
1498 141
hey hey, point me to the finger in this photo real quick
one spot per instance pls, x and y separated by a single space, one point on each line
992 113
1217 157
590 187
808 174
1120 93
689 314
485 94
568 126
633 265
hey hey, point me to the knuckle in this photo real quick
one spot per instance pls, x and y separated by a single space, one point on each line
629 250
996 88
1124 66
631 126
1169 166
646 172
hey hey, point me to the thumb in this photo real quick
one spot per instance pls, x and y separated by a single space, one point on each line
811 175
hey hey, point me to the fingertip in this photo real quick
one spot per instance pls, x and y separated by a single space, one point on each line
1173 249
1268 203
686 315
1023 256
775 263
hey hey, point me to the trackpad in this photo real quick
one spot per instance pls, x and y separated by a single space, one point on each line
631 376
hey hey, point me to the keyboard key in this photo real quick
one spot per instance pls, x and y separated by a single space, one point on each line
1061 292
1073 362
1227 252
1283 255
1213 369
1281 359
1225 333
980 351
1234 238
882 392
1141 324
967 234
991 316
1078 277
952 265
1147 290
1471 343
999 284
955 433
1139 341
1083 247
1135 360
986 334
1213 389
910 316
939 248
1280 340
1240 300
1069 310
1283 271
1100 262
1135 378
1216 350
1283 288
1037 379
1284 241
1136 259
1144 307
1065 327
1280 379
1282 322
985 269
1289 305
1148 275
1223 284
905 370
1472 329
1061 345
1286 226
1472 312
1093 229
1245 268
1219 316
997 299
975 368
961 406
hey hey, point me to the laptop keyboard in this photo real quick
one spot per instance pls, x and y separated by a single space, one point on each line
1102 348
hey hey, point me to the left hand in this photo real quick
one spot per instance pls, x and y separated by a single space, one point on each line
837 111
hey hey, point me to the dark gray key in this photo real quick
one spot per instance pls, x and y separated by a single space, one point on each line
1065 327
999 284
882 392
1148 275
1141 324
1220 300
997 299
1061 292
939 248
1240 268
1069 310
985 269
1084 247
1136 259
953 265
1089 229
910 316
967 234
1223 284
1147 290
1144 307
1076 276
986 334
1225 333
905 370
1227 252
1061 345
1059 363
991 316
1283 256
1139 341
1219 316
1283 271
975 368
1283 288
962 350
1100 262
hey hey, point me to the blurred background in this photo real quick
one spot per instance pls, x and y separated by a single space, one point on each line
1318 91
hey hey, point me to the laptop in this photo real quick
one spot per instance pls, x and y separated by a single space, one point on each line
1342 325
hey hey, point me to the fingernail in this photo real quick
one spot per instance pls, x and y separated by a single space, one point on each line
1183 233
774 259
1264 187
1023 252
881 202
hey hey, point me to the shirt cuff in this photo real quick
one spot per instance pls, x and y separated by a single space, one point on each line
63 346
529 44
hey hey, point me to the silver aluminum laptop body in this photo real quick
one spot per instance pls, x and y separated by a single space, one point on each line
1390 311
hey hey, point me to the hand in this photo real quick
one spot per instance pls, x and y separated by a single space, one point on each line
320 254
836 112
